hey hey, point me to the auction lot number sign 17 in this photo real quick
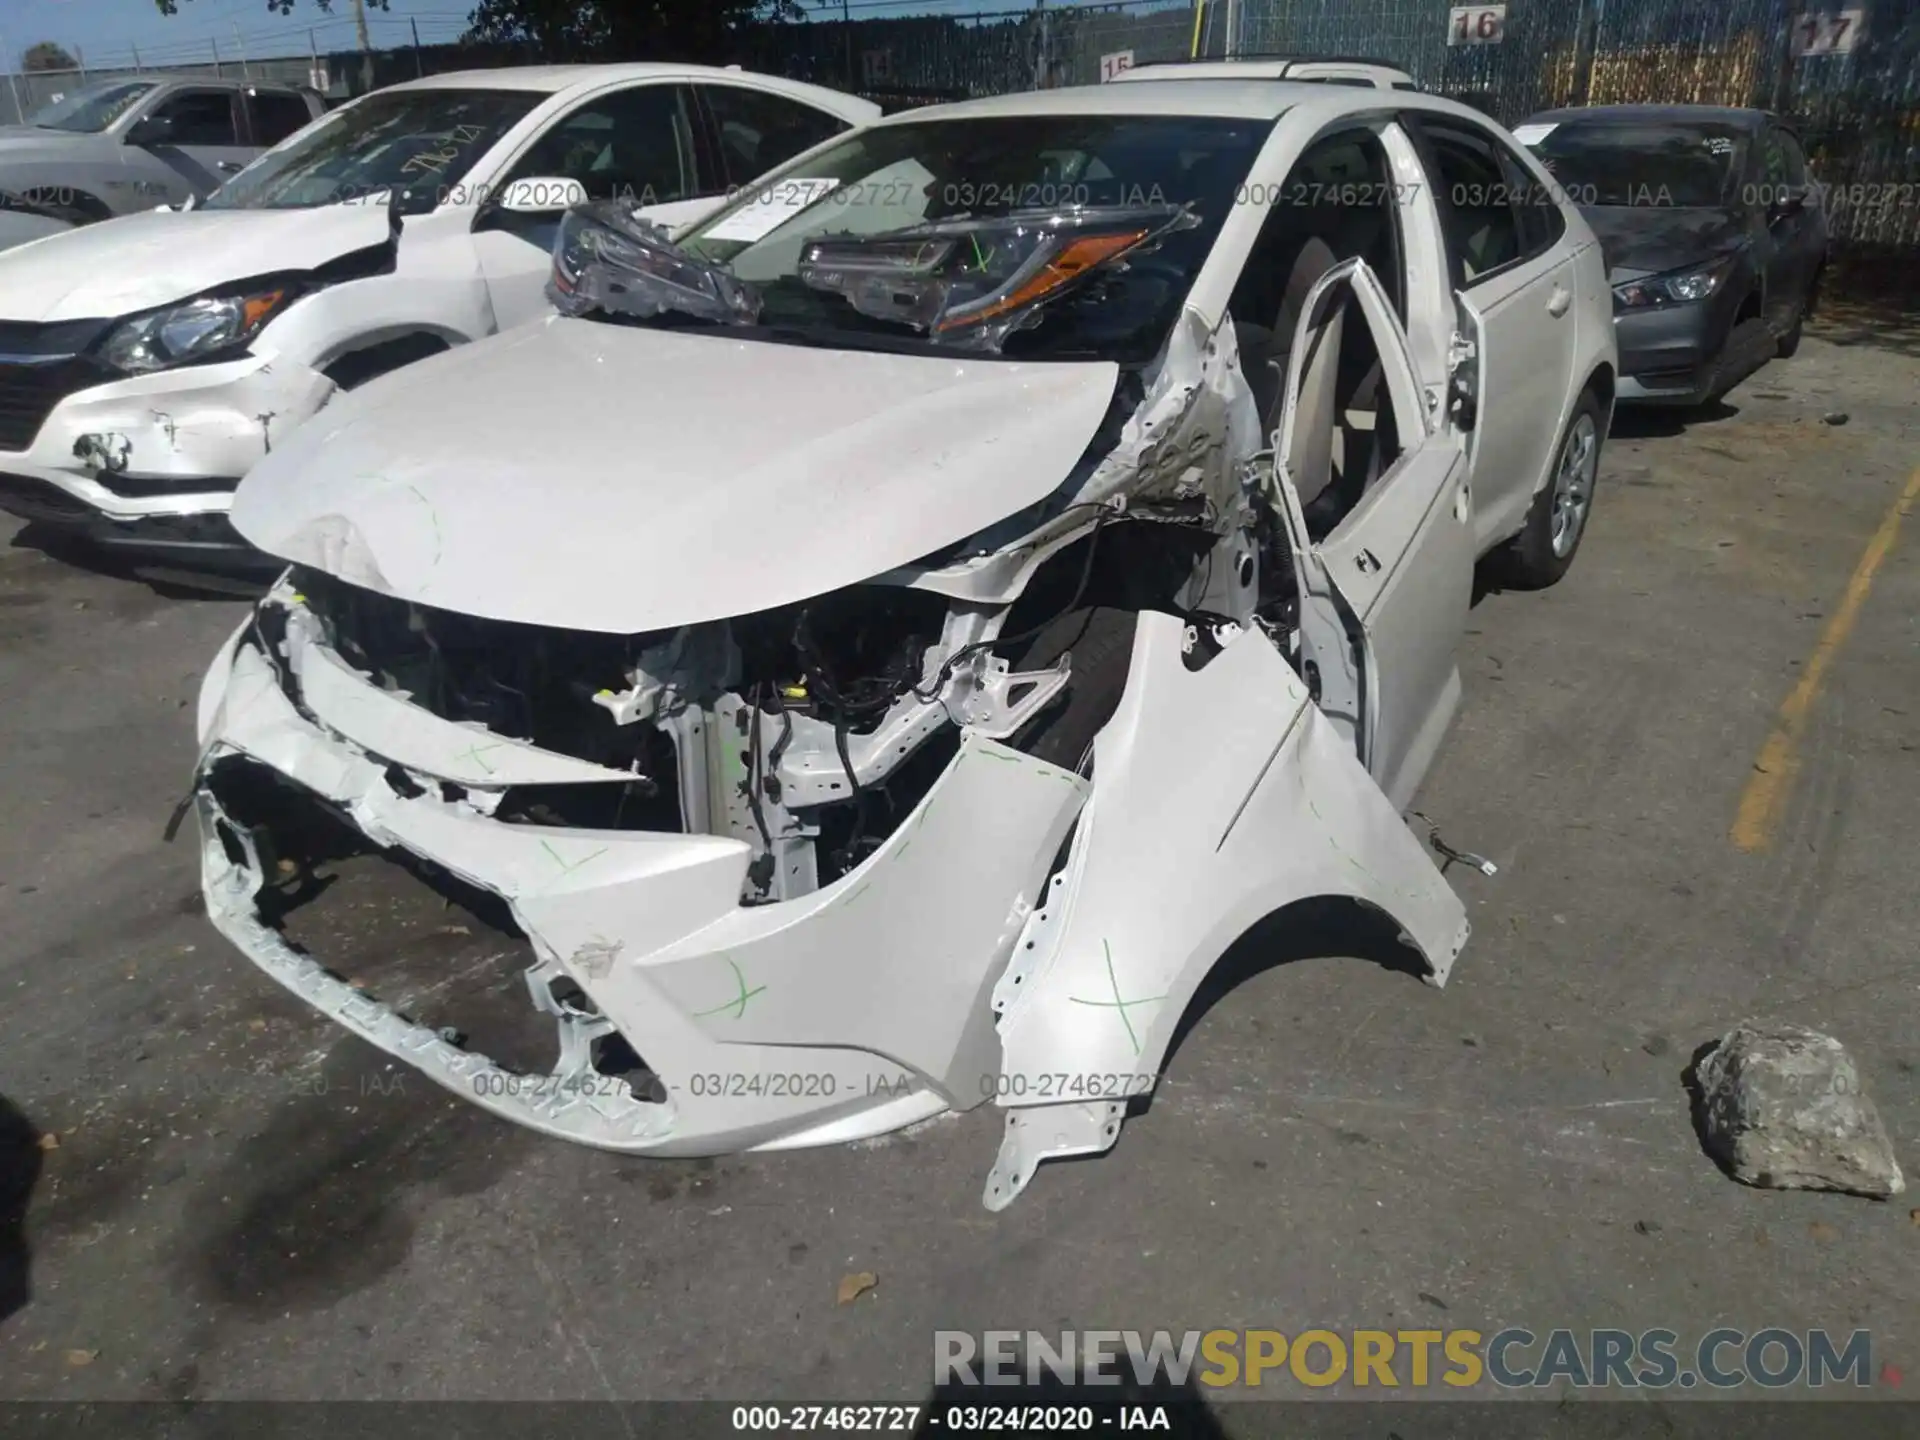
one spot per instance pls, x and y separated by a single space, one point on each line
1831 32
1477 25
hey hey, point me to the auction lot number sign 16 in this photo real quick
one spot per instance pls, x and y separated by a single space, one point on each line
1477 25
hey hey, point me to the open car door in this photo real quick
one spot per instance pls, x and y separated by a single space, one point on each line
1374 496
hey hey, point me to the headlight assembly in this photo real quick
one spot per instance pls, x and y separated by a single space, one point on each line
192 330
1677 287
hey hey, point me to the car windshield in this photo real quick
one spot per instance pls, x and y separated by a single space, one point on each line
91 110
917 174
422 142
1684 164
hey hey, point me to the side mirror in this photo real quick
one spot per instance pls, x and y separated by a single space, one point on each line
153 130
540 195
1790 202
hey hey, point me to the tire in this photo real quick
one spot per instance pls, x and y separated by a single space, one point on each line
1790 342
1101 642
1544 549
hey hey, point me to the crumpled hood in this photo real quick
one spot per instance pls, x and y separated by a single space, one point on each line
1642 240
596 476
120 267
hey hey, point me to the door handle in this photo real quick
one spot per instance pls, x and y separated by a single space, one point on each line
1560 301
232 167
1367 562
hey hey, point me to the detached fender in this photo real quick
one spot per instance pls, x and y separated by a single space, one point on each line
1220 795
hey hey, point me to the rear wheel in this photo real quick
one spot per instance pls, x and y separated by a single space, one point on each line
1542 552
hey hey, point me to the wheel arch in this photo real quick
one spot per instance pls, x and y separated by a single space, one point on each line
1225 786
368 357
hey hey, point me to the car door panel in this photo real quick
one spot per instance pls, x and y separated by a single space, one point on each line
1520 296
207 147
1525 344
1394 578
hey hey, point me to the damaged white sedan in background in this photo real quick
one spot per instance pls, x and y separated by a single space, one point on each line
883 645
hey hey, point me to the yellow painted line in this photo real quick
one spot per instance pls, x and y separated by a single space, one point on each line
1766 792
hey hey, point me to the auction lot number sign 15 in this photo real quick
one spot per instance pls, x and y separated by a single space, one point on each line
1477 25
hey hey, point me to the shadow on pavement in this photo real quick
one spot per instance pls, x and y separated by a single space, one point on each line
223 580
20 1161
1648 422
1872 298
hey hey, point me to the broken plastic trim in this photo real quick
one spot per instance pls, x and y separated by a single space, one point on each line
606 258
972 281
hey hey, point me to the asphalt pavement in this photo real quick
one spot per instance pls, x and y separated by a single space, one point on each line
226 1197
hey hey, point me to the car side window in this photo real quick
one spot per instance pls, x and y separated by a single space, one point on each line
1495 212
759 131
634 145
1542 221
200 117
1336 203
276 115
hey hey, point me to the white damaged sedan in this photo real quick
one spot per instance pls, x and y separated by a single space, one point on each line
884 644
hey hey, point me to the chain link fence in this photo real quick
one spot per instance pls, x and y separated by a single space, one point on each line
1855 99
1847 74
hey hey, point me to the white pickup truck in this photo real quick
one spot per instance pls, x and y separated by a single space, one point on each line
120 146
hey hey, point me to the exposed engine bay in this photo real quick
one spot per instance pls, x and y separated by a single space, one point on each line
809 732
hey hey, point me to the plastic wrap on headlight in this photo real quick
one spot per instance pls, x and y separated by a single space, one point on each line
973 281
605 258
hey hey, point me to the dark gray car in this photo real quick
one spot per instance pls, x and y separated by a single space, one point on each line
1714 234
118 146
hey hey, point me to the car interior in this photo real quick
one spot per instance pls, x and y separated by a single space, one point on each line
1336 204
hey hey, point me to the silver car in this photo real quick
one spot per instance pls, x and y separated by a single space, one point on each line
119 146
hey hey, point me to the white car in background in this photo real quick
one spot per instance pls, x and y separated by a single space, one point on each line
884 643
147 363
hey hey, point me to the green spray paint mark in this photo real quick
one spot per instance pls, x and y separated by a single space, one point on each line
741 996
1117 1003
561 861
476 752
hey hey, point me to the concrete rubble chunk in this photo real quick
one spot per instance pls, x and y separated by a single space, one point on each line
1784 1107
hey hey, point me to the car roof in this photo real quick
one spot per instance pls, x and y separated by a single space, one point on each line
1266 67
1628 114
1243 99
553 79
218 82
